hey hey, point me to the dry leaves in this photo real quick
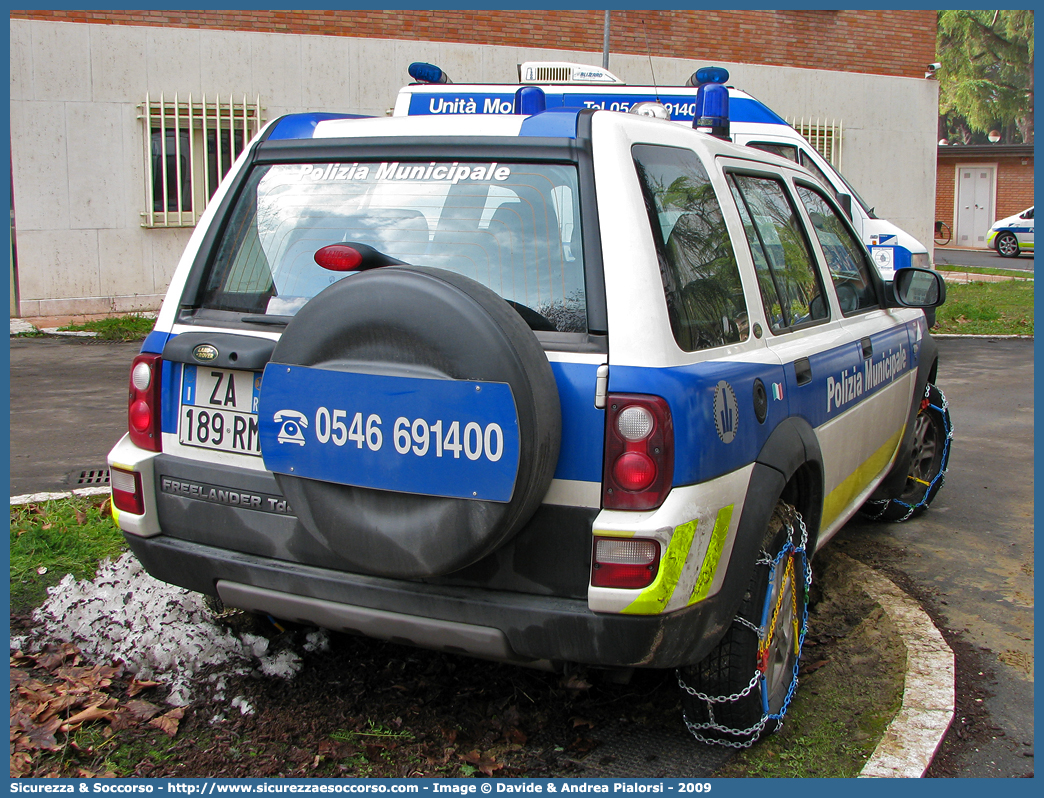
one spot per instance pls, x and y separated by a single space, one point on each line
53 695
487 764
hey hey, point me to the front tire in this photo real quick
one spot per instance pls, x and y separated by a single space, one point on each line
1007 245
928 462
745 685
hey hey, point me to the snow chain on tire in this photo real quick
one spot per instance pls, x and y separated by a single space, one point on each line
764 633
876 509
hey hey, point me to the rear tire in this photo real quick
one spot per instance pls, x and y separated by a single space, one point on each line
928 462
744 686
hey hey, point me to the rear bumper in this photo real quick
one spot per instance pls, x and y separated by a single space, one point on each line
507 626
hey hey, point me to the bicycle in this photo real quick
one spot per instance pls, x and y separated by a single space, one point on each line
943 234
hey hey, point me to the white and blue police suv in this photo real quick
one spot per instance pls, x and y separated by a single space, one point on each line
550 387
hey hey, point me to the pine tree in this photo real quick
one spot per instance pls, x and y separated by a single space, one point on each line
986 77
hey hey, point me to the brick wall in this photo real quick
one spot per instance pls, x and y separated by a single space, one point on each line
895 43
1014 185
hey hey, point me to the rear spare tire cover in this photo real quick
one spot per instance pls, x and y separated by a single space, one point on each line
418 327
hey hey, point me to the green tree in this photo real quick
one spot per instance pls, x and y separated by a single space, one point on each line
986 78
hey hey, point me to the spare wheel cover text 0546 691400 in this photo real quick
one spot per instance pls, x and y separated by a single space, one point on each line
409 343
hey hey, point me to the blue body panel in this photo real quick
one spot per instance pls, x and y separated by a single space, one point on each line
302 126
583 424
700 453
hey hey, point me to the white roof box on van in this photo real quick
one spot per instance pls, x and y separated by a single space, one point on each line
564 72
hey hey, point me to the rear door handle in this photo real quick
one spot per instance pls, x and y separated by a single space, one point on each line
868 348
803 371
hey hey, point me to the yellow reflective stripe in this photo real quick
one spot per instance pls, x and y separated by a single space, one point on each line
713 555
841 496
654 598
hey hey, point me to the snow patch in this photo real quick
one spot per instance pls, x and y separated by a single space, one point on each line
242 705
157 630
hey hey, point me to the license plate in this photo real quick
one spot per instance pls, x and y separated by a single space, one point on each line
219 410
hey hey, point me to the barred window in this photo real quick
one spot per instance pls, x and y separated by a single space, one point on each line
189 147
824 135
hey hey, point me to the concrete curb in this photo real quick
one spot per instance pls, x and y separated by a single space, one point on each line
32 498
916 731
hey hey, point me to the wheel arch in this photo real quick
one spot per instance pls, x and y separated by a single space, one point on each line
789 467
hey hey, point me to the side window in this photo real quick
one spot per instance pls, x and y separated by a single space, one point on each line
697 263
810 165
846 257
790 287
788 151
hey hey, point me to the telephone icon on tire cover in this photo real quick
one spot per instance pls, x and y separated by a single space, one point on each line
293 423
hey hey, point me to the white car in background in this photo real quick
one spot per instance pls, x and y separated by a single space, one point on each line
1012 236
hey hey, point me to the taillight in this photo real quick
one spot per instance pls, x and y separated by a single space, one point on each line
624 562
127 495
639 452
143 406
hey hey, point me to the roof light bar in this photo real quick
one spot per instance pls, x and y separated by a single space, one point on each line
427 73
530 100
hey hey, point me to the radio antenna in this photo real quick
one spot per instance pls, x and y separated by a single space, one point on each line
656 89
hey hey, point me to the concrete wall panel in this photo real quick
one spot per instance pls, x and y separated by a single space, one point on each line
173 62
120 256
118 62
61 62
53 264
40 166
21 85
326 73
96 165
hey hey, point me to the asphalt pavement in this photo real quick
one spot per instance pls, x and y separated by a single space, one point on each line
971 553
983 258
68 409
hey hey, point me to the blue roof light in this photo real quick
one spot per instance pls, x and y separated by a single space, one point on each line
427 73
712 110
709 74
530 100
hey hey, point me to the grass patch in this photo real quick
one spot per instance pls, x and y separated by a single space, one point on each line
1003 308
945 267
55 538
134 327
851 686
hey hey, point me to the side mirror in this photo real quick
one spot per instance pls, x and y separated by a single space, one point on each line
845 201
918 288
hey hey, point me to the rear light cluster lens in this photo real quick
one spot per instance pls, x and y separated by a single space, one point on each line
127 495
639 453
143 407
625 562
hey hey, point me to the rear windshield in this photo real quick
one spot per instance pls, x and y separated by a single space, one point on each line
514 227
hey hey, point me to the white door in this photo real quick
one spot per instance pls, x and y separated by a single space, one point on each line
974 205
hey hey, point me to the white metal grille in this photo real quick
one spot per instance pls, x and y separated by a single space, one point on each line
553 74
822 134
189 146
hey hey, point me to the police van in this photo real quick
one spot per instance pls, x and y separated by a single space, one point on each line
554 387
751 122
